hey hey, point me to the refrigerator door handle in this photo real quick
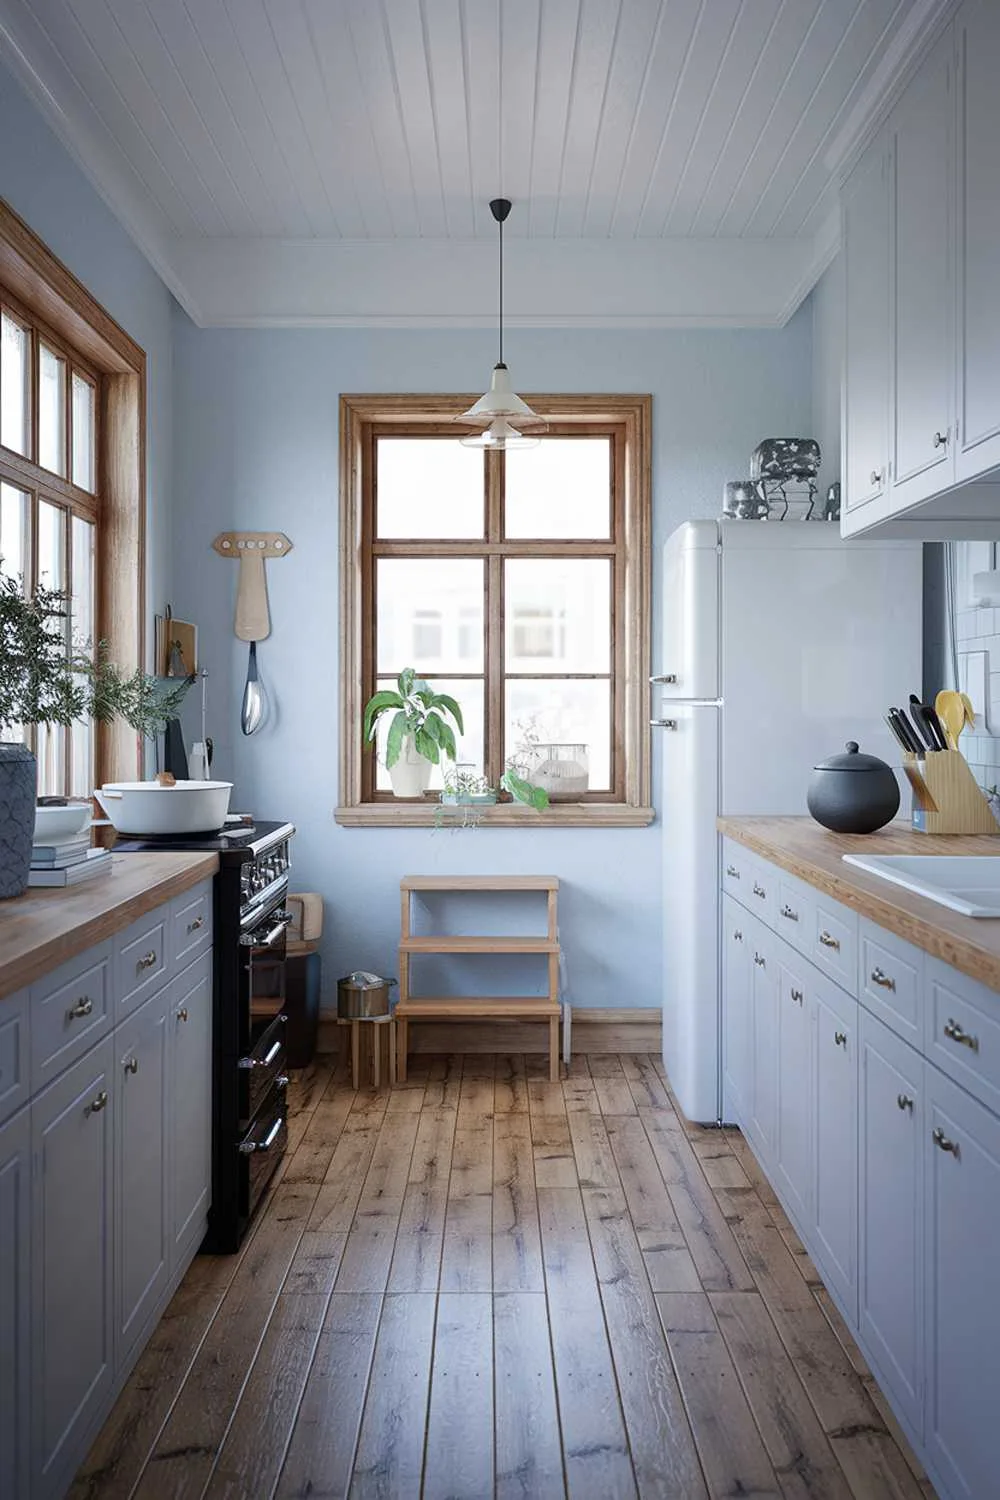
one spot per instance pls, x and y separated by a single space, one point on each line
663 723
670 678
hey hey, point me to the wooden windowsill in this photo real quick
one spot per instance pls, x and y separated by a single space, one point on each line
405 814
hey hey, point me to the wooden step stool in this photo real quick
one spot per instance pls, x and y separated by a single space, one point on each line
478 1007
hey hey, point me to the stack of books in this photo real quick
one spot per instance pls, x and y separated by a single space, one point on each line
67 864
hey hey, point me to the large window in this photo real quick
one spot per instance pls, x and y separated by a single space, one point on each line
50 505
517 582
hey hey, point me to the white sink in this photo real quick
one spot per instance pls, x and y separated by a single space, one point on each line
969 884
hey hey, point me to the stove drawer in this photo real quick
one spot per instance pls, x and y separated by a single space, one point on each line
259 1068
260 1151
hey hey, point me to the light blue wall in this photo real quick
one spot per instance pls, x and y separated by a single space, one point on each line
43 184
256 447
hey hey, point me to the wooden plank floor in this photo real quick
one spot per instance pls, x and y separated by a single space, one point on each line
485 1284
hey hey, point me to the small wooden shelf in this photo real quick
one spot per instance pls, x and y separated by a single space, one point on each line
478 1007
448 944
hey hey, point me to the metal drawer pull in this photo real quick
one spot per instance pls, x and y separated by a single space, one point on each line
182 1014
884 981
249 1147
940 1139
797 996
96 1105
80 1009
786 911
904 1102
732 872
146 961
262 1062
940 440
132 1065
876 476
759 890
829 942
196 925
840 1037
737 936
955 1033
760 962
281 1082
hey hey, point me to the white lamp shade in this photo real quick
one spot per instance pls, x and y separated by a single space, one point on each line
499 434
500 401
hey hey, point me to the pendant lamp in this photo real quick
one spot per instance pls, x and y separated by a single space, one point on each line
500 408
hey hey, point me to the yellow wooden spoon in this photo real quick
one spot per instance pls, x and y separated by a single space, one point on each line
951 711
970 712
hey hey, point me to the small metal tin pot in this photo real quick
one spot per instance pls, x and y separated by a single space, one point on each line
853 793
362 996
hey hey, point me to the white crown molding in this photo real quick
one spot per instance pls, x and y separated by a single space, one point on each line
86 141
889 77
452 283
825 248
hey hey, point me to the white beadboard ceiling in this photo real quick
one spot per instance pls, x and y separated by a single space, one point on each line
300 160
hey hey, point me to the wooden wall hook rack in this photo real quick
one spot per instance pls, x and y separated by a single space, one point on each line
250 548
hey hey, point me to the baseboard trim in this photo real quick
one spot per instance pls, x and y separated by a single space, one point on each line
595 1029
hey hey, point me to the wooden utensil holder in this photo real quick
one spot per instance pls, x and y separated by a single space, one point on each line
946 798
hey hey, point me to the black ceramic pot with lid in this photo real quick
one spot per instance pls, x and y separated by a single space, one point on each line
853 793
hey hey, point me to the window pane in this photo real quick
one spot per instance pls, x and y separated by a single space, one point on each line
51 411
430 614
470 697
50 752
51 545
544 717
13 530
429 487
562 488
558 614
81 741
15 365
83 433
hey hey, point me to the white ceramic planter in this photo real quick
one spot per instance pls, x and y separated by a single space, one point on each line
411 775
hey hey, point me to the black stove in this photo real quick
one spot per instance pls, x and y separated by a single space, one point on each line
250 1130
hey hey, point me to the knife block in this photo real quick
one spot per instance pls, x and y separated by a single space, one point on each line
946 798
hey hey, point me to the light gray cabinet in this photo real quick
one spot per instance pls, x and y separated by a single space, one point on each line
736 958
978 240
72 1323
962 1156
763 1113
189 1019
15 1301
891 1172
866 333
141 1166
794 1134
835 1127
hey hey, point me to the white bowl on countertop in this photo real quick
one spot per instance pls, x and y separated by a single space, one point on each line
59 823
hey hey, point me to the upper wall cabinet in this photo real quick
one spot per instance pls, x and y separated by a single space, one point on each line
940 378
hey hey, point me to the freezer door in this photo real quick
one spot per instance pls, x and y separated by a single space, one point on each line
690 595
690 765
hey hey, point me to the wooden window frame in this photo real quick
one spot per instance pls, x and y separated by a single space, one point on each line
364 418
40 289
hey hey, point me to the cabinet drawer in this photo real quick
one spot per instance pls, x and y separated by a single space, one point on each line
795 912
834 946
890 981
141 959
190 925
13 1053
962 1035
70 1010
736 866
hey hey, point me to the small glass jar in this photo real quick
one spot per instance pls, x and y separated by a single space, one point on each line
562 770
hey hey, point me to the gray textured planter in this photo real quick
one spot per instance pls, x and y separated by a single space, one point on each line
18 784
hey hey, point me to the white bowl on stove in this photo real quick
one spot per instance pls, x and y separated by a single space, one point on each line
148 808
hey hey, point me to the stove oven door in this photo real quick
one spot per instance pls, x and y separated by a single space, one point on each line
262 1014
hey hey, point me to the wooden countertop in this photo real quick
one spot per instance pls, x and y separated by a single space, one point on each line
803 848
43 928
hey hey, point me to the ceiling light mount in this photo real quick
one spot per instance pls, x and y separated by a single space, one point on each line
500 407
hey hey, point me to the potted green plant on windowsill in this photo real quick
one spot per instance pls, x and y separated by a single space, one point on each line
46 679
419 733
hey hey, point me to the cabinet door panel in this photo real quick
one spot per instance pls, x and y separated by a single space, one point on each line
15 1302
963 1333
835 1116
736 1000
795 1080
866 333
189 1020
891 1192
923 342
764 1048
141 1167
72 1129
978 446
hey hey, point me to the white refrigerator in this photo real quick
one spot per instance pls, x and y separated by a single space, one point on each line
780 643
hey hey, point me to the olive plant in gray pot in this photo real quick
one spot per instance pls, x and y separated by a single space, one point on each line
46 680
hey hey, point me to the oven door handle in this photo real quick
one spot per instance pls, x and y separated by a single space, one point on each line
251 940
247 1148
